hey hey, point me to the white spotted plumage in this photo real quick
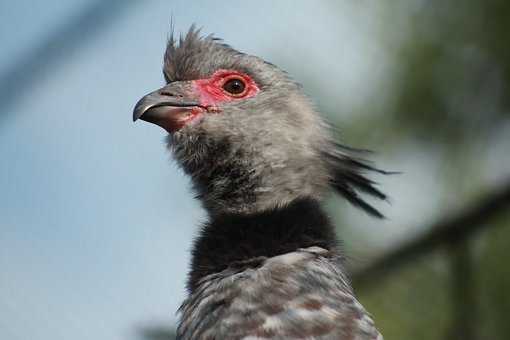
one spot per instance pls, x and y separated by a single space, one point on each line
298 295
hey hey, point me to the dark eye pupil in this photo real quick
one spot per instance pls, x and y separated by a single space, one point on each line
234 86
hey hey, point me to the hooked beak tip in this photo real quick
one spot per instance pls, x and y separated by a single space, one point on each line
158 107
139 109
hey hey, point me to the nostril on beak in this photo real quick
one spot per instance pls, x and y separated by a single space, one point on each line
170 94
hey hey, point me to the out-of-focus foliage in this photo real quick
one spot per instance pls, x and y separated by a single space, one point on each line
421 300
451 72
448 94
493 281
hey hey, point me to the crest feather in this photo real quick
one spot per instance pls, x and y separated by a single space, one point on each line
184 54
348 176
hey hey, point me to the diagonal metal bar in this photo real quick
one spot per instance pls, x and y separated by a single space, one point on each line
39 60
463 293
452 230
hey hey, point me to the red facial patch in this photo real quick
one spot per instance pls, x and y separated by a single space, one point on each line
212 93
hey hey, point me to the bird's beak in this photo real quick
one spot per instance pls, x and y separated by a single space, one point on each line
165 107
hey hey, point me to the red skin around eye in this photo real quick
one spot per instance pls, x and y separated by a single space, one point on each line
211 93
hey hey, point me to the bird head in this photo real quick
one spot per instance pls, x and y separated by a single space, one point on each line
246 133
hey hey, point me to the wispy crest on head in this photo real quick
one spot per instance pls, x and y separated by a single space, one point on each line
184 55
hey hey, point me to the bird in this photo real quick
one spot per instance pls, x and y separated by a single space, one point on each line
266 263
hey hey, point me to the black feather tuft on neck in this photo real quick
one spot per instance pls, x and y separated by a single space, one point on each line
349 178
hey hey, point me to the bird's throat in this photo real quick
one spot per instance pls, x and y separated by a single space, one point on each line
243 238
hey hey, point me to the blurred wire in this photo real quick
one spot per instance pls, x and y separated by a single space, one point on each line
450 231
74 33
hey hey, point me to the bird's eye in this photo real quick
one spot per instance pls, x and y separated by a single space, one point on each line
235 86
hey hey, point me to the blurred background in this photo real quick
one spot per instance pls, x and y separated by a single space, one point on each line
97 222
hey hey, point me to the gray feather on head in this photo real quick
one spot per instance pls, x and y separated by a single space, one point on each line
264 151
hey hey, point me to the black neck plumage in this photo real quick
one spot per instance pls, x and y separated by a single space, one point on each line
232 239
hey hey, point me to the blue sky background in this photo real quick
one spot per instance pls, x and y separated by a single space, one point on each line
96 222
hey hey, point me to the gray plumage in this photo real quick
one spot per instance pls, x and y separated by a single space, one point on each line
282 146
298 295
254 157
